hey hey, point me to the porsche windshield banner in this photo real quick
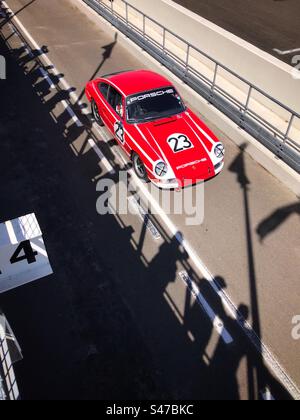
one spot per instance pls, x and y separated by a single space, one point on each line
149 95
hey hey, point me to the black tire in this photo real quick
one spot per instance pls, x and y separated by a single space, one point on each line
96 114
139 168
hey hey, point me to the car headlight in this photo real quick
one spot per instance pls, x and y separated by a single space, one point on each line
219 151
161 169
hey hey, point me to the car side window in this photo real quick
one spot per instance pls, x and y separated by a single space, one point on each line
104 87
115 100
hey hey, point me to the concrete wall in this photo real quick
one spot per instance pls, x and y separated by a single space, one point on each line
258 67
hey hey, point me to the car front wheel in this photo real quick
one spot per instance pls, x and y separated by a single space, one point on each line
96 114
139 168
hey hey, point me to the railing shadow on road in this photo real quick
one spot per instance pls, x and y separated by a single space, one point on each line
10 16
179 338
276 219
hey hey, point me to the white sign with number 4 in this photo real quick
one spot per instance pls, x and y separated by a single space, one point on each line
23 257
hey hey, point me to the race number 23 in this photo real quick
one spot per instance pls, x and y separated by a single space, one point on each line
24 252
179 143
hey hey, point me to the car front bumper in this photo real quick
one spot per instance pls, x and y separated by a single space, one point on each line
172 184
175 184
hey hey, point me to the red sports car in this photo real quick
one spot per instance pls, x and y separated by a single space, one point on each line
167 143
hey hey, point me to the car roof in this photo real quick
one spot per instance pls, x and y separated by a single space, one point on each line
133 82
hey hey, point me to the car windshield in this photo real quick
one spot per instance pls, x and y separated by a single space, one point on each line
154 105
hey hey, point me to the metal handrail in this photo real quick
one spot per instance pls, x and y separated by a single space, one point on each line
272 137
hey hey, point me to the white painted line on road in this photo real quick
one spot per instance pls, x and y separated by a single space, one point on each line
216 321
11 232
101 157
12 29
29 52
286 52
267 396
39 249
268 357
178 315
173 307
144 216
47 78
72 113
102 134
44 56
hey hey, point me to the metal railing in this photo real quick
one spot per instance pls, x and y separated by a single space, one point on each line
279 142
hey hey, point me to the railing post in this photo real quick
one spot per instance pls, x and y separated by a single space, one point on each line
245 110
126 12
164 40
214 81
215 77
248 100
144 25
289 128
112 7
187 58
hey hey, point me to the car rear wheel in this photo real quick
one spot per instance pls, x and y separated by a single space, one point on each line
139 168
96 114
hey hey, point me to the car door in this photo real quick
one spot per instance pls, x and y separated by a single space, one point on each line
116 124
104 114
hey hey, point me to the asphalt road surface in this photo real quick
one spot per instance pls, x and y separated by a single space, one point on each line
116 320
267 24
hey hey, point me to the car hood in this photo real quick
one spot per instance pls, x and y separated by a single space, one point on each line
195 160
